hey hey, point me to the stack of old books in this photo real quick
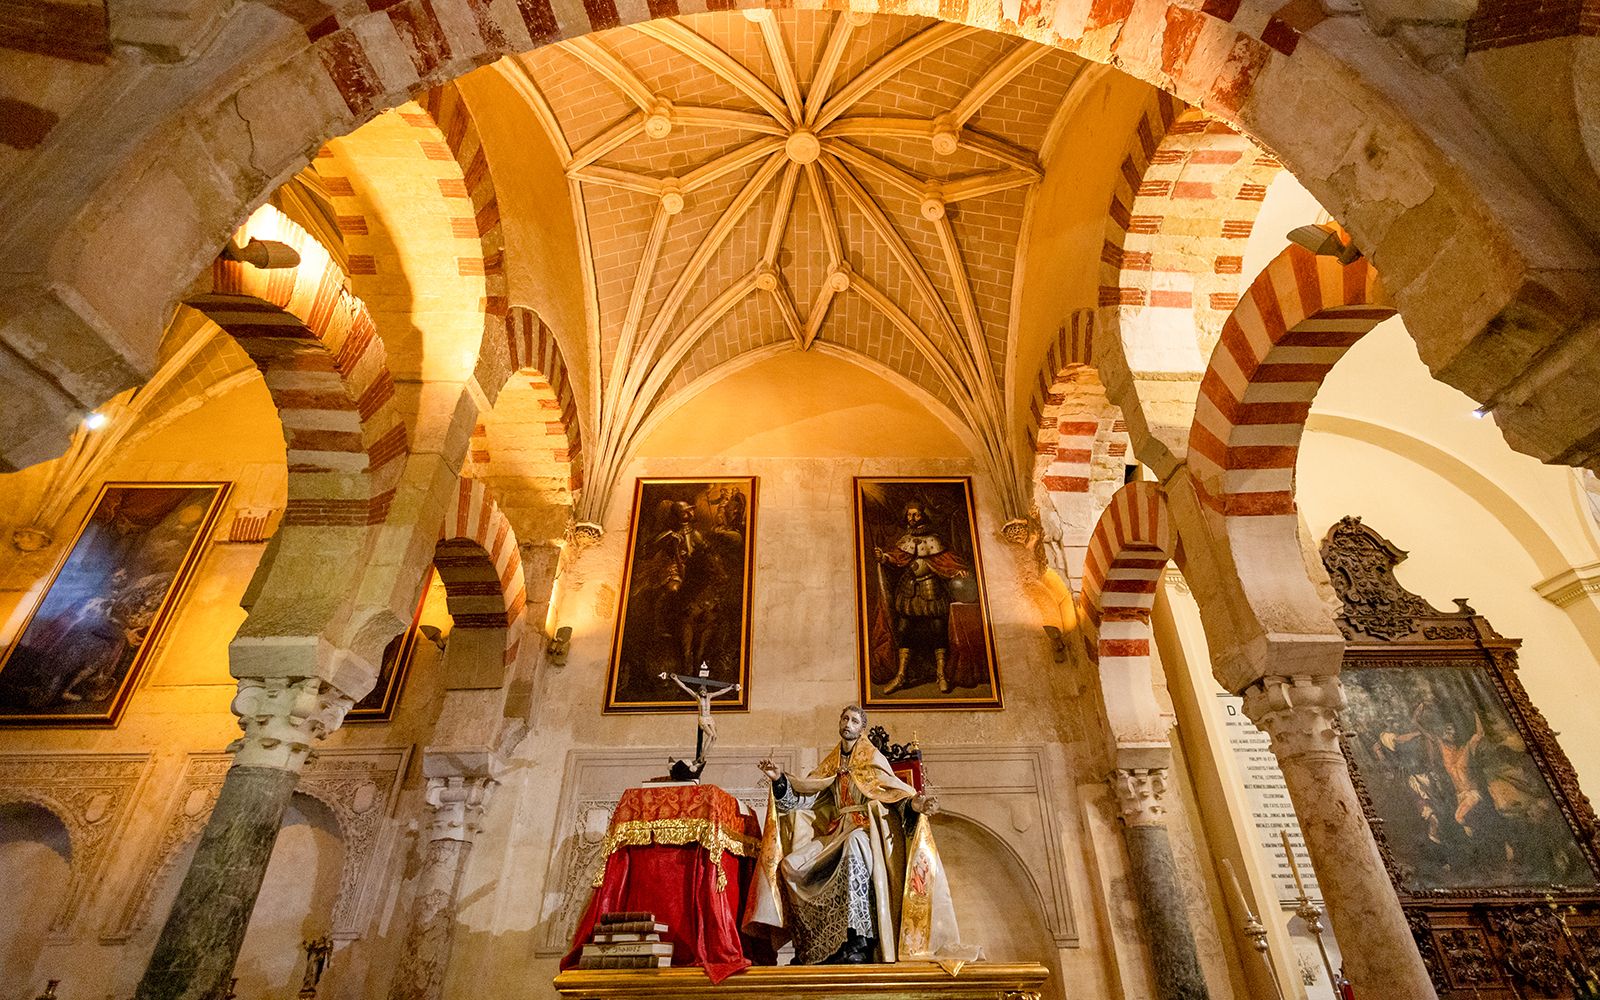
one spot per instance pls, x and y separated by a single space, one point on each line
626 941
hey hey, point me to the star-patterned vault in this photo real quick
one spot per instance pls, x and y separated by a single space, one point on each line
800 180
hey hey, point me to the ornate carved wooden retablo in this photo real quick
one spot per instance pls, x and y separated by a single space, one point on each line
1476 810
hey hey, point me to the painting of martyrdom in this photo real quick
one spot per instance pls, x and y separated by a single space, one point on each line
1463 804
81 650
379 703
924 621
685 593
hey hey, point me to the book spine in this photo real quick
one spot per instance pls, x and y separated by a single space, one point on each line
633 927
630 948
628 917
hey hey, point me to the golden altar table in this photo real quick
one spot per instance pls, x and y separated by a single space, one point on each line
900 981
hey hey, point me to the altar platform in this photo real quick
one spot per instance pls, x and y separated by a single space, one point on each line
901 981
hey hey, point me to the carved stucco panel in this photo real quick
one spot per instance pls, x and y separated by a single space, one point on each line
92 794
359 787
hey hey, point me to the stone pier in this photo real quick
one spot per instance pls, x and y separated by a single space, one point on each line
1300 714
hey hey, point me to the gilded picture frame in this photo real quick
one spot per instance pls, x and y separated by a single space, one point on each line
87 640
925 638
380 703
686 593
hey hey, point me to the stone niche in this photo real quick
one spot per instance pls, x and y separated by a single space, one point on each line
998 833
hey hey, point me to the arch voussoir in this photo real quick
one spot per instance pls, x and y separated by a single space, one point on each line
480 564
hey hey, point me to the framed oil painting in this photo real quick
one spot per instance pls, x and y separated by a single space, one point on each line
379 703
81 650
923 626
685 593
1462 800
1470 797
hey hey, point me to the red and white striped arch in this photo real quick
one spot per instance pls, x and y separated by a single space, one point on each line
1080 449
1131 545
1187 196
1292 326
319 352
480 566
526 344
479 206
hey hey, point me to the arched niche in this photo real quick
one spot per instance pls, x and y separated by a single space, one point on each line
296 903
36 862
997 901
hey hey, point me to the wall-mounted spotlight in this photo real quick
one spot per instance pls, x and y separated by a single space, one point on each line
1325 243
560 645
265 254
95 421
1058 643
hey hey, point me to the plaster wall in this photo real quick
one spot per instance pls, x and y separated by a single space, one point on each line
1034 843
179 709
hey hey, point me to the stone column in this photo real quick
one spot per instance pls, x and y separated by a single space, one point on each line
456 798
1141 796
1300 715
281 717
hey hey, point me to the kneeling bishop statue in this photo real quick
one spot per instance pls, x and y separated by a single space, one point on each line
848 868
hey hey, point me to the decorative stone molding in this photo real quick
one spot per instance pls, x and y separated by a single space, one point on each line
586 534
1570 585
282 717
92 794
1299 714
1141 795
1018 531
359 787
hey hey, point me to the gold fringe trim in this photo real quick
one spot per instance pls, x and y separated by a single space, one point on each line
676 833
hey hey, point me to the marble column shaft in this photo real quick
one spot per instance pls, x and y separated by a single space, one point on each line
1140 794
426 954
199 944
200 941
457 803
1380 955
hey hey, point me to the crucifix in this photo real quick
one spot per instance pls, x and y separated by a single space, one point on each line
702 689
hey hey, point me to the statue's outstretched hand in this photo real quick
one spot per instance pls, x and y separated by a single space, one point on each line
771 770
927 805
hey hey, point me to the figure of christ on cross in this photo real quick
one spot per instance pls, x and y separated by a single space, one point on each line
702 689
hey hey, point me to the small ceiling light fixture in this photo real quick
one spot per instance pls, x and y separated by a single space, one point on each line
95 421
1483 411
268 255
1325 242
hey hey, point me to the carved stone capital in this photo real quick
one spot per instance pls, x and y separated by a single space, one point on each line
457 802
282 717
1141 795
1299 714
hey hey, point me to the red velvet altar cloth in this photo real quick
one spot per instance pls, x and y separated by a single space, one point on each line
686 854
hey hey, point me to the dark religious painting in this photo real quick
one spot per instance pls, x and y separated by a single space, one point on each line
685 593
1462 802
379 703
80 652
924 631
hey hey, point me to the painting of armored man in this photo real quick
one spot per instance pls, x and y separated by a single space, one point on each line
1463 804
685 593
924 629
80 652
